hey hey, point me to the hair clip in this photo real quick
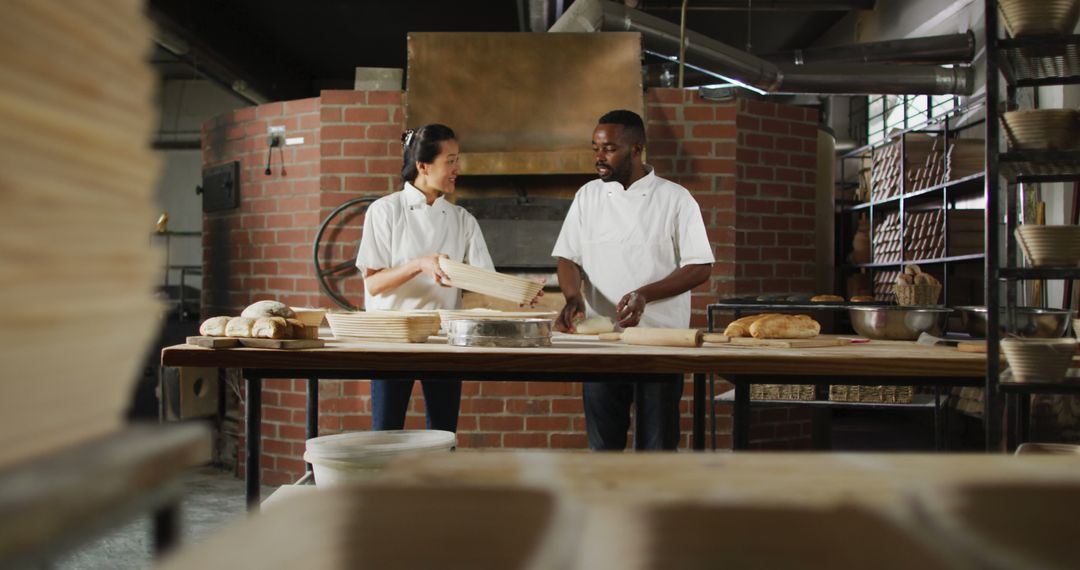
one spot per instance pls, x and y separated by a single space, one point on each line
408 137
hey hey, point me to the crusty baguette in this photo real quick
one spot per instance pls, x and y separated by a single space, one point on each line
785 326
270 327
214 326
741 327
239 327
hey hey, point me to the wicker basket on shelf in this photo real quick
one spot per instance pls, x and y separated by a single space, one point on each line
911 294
1037 17
871 394
781 392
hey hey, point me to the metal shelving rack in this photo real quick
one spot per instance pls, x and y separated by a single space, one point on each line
1021 62
946 194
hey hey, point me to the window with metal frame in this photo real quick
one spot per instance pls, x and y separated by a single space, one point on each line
885 113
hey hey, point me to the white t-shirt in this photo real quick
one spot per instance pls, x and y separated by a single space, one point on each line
402 226
626 238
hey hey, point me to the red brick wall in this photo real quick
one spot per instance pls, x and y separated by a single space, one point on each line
352 148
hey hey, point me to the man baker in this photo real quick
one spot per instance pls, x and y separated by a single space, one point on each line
632 247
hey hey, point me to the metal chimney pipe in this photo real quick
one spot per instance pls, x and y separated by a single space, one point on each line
878 79
954 48
716 57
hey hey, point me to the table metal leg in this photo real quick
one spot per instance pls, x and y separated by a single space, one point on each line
937 418
312 409
1023 418
699 412
166 528
253 418
740 424
712 412
1012 421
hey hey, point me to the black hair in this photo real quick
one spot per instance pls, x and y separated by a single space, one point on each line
633 126
422 145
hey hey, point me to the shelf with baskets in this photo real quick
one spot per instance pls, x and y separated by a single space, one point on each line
1042 147
919 200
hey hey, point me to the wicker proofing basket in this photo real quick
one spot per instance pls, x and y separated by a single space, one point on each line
875 394
1039 360
917 295
1049 246
1037 17
1041 129
781 392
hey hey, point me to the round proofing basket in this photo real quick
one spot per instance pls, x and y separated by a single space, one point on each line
352 457
1037 17
1042 360
1050 246
1041 129
916 295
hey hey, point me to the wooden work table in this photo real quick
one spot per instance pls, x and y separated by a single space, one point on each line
581 358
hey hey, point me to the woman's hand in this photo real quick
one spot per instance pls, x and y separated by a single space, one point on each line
574 310
429 265
539 293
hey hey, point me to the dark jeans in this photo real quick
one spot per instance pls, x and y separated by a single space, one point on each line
390 401
656 426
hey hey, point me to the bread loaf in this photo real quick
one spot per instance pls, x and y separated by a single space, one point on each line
270 327
861 299
268 309
741 327
239 327
826 299
214 326
785 326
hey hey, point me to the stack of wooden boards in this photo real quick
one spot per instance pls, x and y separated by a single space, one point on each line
926 160
77 178
385 326
491 283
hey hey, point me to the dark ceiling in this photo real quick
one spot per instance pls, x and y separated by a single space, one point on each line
288 49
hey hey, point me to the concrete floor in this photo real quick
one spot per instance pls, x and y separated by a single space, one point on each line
212 499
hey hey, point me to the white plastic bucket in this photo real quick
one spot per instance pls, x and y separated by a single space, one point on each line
357 456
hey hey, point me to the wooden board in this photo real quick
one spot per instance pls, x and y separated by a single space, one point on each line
234 342
213 341
282 343
787 342
979 347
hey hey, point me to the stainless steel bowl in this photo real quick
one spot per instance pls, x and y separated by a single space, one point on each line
1031 322
891 322
520 333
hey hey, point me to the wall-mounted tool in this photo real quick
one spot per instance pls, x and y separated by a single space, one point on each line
275 139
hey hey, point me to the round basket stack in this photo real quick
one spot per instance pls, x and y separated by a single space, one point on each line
77 177
1042 129
1050 246
1038 17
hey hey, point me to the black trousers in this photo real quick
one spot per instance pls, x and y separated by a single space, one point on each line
607 414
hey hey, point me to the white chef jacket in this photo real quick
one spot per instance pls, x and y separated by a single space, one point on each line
626 238
402 226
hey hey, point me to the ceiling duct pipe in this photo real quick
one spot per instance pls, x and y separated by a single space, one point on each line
953 48
767 5
728 63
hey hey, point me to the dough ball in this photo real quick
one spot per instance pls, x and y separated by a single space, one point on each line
594 325
268 309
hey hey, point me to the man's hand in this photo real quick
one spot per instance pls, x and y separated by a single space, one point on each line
574 310
630 309
429 265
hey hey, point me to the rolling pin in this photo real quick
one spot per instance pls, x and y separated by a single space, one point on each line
657 337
